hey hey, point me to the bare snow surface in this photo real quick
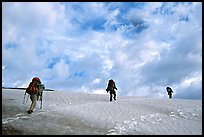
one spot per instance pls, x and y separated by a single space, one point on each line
66 113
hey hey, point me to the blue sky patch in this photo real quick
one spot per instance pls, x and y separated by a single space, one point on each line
11 46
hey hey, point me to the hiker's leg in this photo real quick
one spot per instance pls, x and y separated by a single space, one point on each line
110 96
114 96
170 95
34 101
37 97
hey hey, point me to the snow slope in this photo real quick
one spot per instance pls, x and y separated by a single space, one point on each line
66 113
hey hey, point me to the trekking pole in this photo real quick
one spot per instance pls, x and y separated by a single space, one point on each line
41 103
27 98
24 98
41 99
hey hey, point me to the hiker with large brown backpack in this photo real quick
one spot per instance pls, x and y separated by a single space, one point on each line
111 87
35 90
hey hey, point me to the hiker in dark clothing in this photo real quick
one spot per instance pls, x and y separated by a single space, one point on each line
169 91
111 87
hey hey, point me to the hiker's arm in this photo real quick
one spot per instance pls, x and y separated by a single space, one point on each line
115 87
107 90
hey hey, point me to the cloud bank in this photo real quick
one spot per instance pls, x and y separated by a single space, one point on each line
143 46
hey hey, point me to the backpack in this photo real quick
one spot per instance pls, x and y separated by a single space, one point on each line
111 85
41 87
33 86
169 90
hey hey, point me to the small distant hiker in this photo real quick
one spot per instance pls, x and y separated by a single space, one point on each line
111 87
35 90
169 91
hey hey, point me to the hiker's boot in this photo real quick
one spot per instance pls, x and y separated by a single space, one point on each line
29 111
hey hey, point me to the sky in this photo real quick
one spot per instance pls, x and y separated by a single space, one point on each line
79 46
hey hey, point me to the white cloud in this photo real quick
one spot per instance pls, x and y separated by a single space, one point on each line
96 81
194 78
61 69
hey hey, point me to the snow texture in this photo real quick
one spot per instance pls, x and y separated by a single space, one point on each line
69 113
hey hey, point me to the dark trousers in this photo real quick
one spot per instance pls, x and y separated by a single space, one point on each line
112 95
170 95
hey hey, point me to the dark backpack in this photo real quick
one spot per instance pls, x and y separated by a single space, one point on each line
111 85
169 90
